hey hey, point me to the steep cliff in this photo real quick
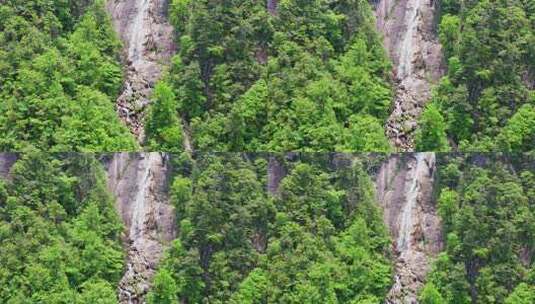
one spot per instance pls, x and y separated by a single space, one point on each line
405 191
275 173
409 32
139 183
148 38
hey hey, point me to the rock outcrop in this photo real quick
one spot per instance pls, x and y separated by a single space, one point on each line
272 6
6 162
410 37
139 181
275 173
142 26
405 191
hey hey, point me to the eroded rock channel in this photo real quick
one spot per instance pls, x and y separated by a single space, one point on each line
139 181
405 191
148 46
410 37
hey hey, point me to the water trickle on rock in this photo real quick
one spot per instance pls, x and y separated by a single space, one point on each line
142 26
139 205
407 50
138 33
139 181
405 191
410 37
406 222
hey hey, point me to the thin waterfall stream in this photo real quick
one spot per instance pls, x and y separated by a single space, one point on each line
405 191
139 181
149 44
410 37
406 222
405 66
140 203
138 33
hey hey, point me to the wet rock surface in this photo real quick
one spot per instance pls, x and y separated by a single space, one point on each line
148 46
410 37
139 181
405 191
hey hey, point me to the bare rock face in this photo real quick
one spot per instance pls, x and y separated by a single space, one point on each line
139 181
6 162
405 191
272 6
276 172
410 37
148 38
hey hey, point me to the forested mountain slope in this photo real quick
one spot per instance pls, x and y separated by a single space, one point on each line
59 231
486 101
309 75
316 237
302 75
487 206
59 74
267 228
267 75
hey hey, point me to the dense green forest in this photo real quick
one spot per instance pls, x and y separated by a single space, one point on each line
59 77
59 231
487 98
310 76
319 239
318 236
487 205
287 225
313 76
